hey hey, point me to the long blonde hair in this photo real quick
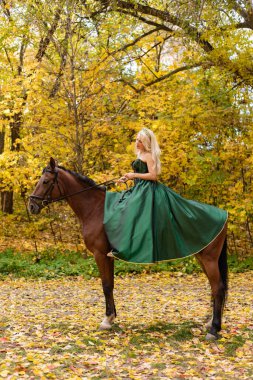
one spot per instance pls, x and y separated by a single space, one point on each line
151 145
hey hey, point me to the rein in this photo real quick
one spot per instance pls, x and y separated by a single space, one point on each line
46 198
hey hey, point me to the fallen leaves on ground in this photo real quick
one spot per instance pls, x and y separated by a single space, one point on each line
49 329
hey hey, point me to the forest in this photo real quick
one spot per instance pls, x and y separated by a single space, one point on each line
79 78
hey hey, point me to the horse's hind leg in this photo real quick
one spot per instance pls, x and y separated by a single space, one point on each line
208 317
213 260
106 268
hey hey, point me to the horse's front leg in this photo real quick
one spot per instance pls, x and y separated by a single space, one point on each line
106 268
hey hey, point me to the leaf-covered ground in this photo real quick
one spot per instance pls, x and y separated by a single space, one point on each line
49 329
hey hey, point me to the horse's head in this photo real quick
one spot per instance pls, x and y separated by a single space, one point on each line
46 190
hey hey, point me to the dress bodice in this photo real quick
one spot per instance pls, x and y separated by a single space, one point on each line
139 166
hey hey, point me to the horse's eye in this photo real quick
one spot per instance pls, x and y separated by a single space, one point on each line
45 181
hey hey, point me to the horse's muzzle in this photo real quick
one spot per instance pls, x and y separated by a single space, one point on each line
34 207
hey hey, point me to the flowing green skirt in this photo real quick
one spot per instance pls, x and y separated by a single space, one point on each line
151 223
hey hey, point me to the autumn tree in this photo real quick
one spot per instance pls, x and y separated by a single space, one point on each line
17 27
213 30
81 78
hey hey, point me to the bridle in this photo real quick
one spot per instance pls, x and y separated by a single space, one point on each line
47 197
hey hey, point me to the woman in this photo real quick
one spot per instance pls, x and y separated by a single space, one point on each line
150 222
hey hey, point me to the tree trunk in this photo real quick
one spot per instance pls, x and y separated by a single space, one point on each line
2 137
7 202
6 196
15 131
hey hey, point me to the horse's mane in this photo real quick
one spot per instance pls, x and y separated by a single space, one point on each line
83 178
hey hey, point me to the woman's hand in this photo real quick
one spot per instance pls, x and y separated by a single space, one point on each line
129 176
122 180
126 177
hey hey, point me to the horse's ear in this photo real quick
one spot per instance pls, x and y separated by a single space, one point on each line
52 163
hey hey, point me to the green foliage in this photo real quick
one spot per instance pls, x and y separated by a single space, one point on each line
53 264
48 264
238 265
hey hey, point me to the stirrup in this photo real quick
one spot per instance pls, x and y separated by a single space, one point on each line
110 254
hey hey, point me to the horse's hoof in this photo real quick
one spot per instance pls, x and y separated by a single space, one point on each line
107 323
211 337
105 326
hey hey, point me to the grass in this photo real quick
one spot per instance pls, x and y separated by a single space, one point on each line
238 341
54 264
48 264
233 344
172 331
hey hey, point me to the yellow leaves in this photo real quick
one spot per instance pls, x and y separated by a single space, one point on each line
95 114
33 358
239 353
7 112
153 337
160 39
4 374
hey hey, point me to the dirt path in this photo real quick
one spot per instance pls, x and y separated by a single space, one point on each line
48 330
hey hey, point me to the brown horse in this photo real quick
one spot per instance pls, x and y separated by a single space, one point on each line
86 198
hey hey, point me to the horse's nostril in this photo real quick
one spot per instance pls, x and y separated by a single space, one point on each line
32 208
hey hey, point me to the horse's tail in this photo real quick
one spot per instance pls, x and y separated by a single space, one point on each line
223 267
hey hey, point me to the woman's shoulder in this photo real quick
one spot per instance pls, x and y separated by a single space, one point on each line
146 157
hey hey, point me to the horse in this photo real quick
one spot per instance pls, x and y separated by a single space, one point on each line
86 198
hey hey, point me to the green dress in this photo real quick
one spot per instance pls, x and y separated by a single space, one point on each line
150 222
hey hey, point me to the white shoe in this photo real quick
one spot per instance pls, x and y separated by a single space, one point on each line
110 254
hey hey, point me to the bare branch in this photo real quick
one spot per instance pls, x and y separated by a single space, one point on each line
160 79
63 59
149 68
44 42
135 41
6 9
171 73
8 59
22 54
245 13
240 10
143 54
146 21
134 9
128 84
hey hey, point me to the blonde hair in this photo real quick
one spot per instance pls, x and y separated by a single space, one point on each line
151 145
